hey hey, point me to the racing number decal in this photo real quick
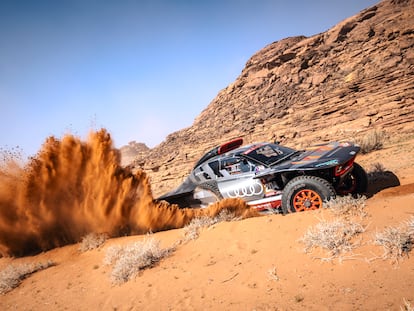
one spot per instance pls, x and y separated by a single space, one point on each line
252 189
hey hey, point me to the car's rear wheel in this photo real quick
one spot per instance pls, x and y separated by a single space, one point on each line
304 193
355 183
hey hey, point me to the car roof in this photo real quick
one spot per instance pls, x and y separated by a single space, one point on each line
244 149
241 151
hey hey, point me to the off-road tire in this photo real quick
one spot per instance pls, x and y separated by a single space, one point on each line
361 179
306 193
212 186
355 183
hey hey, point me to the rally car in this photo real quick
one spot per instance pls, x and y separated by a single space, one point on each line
272 177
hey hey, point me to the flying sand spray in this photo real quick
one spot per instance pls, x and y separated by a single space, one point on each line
72 188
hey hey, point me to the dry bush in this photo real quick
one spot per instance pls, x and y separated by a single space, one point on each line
335 236
113 253
92 241
396 241
407 306
410 226
347 206
129 260
12 276
373 140
377 172
192 230
272 274
377 168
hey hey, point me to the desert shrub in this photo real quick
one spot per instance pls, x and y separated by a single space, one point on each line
377 168
13 275
377 172
226 215
272 274
92 241
192 230
407 306
410 226
112 254
373 140
396 241
129 260
347 206
334 236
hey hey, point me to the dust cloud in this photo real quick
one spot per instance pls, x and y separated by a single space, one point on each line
72 188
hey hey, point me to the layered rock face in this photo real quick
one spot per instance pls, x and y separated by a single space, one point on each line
336 85
132 152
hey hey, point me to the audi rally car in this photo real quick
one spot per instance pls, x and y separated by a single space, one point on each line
269 176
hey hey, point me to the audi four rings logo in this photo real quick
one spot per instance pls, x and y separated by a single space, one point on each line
246 191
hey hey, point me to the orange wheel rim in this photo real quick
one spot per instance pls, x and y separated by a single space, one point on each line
306 200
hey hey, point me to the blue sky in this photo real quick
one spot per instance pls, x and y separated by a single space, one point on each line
141 69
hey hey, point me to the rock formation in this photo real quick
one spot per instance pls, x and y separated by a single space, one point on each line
336 85
133 153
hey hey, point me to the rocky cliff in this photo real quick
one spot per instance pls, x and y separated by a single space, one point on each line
357 76
133 151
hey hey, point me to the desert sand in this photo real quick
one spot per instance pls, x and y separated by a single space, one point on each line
257 263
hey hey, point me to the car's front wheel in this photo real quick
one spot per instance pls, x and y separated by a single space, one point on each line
206 194
304 193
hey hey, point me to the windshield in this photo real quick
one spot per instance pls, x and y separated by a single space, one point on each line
268 153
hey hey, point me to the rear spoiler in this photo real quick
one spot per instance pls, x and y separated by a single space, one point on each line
223 148
231 145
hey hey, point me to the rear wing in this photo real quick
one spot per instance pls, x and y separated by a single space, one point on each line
223 148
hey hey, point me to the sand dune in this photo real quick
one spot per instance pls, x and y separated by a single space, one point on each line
251 264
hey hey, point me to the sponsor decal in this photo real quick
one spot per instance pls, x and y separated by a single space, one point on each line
330 162
267 203
307 159
255 188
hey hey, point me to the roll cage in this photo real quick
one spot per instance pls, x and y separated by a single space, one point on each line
268 154
251 158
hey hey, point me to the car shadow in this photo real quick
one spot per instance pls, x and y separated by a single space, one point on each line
378 181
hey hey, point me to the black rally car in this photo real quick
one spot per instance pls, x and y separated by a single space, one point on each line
269 176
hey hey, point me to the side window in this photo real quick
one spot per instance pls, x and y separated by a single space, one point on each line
246 166
200 174
215 167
